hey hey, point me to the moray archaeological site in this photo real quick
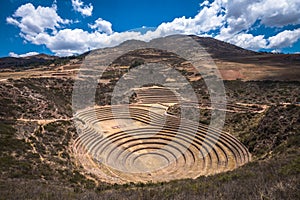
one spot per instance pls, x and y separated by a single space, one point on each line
146 141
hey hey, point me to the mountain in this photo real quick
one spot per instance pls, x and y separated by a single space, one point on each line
222 50
35 60
223 53
232 61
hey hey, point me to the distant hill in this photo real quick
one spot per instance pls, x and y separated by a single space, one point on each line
26 61
219 49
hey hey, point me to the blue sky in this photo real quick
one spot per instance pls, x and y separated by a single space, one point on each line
66 27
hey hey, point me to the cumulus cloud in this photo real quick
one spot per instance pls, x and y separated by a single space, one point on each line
211 17
243 14
248 41
102 26
230 21
74 41
33 21
284 39
12 54
276 14
79 6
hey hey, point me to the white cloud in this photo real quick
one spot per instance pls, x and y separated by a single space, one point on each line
74 41
33 21
102 26
204 3
248 41
12 21
276 14
209 18
79 6
12 54
230 21
284 39
276 51
242 14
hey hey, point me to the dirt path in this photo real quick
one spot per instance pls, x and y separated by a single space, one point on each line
43 121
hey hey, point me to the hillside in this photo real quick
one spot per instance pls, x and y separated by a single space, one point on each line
51 151
222 50
40 59
233 62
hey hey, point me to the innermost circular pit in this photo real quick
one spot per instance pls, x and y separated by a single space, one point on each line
149 162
